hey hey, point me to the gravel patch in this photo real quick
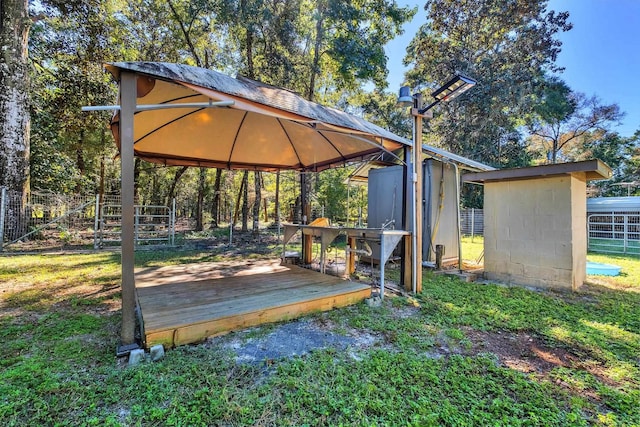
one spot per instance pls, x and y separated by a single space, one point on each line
287 340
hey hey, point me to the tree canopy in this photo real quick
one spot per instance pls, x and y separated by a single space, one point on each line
508 46
329 51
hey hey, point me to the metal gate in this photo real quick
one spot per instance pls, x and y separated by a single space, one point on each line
153 225
614 233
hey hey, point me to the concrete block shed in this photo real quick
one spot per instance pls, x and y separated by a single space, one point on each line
535 223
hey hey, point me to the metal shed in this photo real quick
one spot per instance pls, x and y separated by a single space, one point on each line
614 205
441 198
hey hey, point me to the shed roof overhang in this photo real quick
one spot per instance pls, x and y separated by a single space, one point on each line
591 169
361 174
614 204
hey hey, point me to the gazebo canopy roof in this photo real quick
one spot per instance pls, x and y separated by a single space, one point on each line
266 128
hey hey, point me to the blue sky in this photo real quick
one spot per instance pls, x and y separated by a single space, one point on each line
601 54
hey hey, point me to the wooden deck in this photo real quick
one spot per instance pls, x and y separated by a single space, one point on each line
184 304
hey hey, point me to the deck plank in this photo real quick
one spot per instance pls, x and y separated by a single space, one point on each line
187 303
193 313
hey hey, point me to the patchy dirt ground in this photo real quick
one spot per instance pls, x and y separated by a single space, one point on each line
522 352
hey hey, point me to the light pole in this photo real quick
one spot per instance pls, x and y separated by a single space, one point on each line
450 90
628 185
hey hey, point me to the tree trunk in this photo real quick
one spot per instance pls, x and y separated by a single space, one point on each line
156 195
176 178
80 164
256 204
103 138
215 205
315 66
202 180
266 215
305 187
101 185
136 174
236 207
245 201
247 19
187 36
14 107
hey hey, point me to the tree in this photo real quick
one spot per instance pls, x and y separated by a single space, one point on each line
345 41
273 41
257 182
202 181
507 46
382 109
565 116
14 104
615 150
215 200
68 44
245 200
332 192
633 163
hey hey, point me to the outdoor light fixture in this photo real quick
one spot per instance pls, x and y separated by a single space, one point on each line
450 90
456 86
404 97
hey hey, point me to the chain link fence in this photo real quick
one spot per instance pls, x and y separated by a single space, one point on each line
44 220
41 218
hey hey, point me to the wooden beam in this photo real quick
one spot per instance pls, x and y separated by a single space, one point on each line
407 262
127 110
350 266
307 240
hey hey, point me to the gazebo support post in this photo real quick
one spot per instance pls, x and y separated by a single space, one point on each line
406 274
417 196
128 90
305 208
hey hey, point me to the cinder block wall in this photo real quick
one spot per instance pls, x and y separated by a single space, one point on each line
535 231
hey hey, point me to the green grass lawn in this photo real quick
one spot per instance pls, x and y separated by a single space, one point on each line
457 354
473 248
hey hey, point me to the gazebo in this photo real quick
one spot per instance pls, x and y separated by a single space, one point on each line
182 115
